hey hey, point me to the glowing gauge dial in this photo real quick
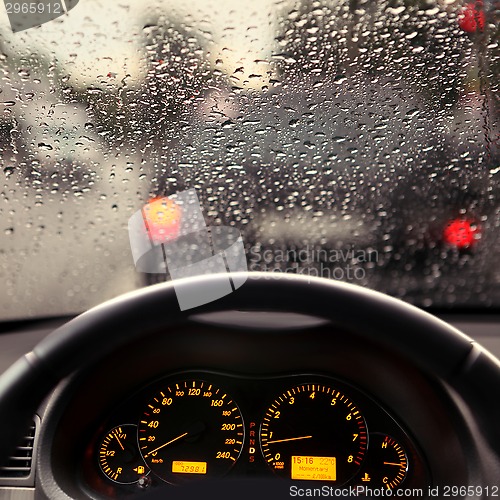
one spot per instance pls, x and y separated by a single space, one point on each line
386 465
314 432
119 455
190 430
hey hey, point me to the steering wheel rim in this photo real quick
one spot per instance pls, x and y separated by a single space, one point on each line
436 347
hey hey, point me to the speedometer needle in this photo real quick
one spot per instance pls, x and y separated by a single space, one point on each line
289 439
166 444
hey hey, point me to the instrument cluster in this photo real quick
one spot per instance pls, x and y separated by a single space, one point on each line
196 425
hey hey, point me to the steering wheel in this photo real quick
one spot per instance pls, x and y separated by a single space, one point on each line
435 347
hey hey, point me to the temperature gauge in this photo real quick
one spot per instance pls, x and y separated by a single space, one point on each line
386 463
119 455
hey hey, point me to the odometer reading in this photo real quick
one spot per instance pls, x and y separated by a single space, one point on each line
190 429
314 432
189 467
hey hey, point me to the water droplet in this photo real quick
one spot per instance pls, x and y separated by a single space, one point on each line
339 139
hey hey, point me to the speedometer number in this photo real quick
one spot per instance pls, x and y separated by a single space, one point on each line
190 429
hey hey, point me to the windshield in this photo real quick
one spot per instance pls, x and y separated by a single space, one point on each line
354 140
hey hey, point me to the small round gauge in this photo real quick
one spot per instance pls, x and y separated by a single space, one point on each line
386 465
189 430
314 432
119 455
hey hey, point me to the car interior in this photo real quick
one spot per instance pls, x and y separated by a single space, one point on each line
249 249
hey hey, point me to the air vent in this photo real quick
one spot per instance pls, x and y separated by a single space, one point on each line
19 466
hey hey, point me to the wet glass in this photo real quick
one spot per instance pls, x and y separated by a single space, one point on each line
354 140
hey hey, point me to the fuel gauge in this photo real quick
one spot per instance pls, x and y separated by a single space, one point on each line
386 463
119 455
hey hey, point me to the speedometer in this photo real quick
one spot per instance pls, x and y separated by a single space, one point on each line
314 432
190 429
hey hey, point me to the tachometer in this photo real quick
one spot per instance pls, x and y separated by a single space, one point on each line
314 432
190 429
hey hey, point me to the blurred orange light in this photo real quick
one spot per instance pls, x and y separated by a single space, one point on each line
461 233
162 217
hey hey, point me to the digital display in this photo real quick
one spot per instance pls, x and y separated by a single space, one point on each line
314 468
189 467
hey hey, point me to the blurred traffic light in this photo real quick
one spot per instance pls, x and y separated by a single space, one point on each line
162 217
461 233
472 18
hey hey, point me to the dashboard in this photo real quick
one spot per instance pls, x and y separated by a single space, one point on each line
344 387
194 425
312 404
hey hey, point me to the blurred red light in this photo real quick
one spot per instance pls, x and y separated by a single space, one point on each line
472 17
163 219
461 233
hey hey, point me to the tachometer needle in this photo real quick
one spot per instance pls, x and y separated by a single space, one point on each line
289 439
166 444
390 463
